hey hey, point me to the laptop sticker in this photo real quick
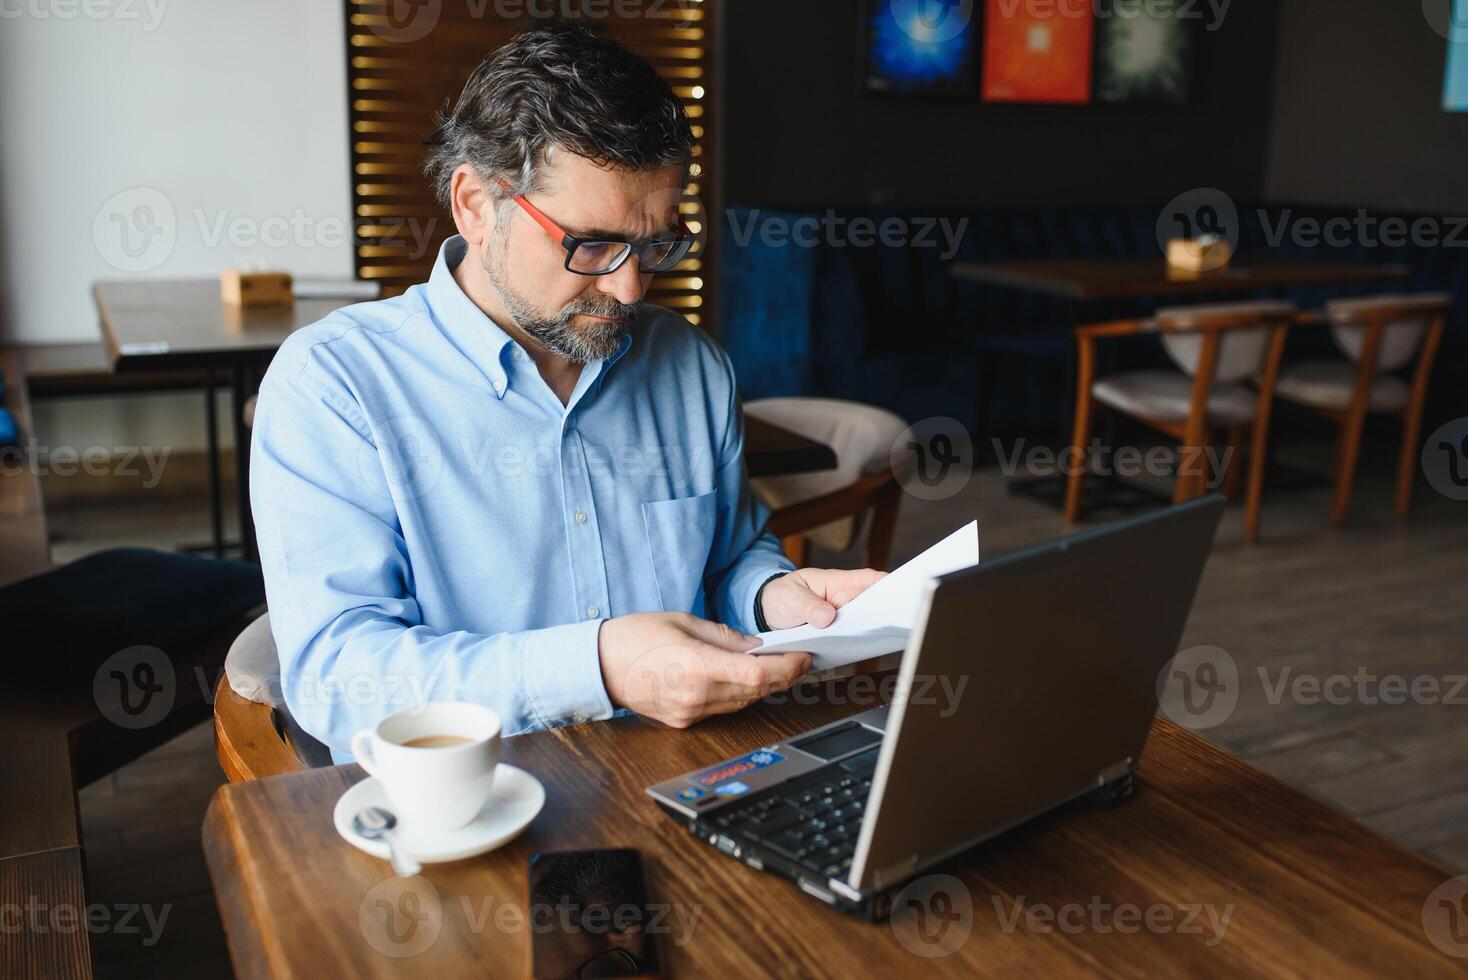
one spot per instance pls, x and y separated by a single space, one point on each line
732 788
716 777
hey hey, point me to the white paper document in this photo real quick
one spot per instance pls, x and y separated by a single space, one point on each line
878 620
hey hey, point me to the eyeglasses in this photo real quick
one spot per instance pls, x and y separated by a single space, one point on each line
612 963
601 256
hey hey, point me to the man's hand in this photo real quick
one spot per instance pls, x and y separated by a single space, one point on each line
812 595
678 669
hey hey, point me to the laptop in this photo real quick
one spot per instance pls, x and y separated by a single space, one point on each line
1051 657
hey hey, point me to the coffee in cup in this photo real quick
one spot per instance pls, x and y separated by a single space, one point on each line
436 762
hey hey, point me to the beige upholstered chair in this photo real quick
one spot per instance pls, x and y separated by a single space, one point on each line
249 737
1217 348
1379 336
835 507
252 666
254 733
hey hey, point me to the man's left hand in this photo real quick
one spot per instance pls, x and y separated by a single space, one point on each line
812 595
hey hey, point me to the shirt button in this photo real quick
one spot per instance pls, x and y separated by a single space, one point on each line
581 517
499 387
579 718
592 612
519 353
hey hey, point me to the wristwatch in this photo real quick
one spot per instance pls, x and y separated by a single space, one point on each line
759 609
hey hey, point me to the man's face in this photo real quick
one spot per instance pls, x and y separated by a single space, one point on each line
581 318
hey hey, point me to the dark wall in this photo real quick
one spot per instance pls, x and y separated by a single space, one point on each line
800 132
1358 110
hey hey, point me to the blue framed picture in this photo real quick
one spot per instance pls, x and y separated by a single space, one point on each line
1455 85
921 47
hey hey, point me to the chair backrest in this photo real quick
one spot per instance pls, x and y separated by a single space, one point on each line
1406 318
252 665
1240 351
251 721
861 437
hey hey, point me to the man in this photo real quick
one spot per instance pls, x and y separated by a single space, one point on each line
515 484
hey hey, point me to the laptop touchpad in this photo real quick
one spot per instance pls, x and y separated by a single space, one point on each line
841 740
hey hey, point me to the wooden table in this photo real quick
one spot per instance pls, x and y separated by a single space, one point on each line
770 450
1125 278
1308 892
164 325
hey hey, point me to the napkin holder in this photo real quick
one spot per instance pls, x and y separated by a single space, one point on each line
247 290
1203 254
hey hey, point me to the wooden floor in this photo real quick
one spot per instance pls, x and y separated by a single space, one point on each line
1377 596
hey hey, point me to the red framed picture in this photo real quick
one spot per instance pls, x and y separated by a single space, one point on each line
1037 52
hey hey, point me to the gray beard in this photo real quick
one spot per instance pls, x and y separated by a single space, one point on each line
557 335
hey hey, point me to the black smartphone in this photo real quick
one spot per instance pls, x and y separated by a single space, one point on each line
589 916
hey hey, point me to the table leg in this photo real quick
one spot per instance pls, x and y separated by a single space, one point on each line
239 390
216 497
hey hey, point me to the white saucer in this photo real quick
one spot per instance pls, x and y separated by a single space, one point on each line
514 801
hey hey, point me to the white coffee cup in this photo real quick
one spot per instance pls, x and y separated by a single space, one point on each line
433 788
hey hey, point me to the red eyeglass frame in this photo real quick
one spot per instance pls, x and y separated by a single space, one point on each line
571 243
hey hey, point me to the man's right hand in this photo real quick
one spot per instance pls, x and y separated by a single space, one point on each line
678 669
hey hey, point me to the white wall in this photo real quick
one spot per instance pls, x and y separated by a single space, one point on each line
209 132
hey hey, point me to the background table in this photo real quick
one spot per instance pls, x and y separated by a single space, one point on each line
1096 279
1097 288
157 325
1313 893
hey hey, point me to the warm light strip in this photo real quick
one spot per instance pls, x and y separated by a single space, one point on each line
371 169
397 211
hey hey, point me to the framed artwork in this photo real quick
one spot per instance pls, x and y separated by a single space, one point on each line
920 47
1455 85
1144 54
1037 53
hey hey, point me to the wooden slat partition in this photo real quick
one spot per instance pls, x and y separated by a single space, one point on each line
400 70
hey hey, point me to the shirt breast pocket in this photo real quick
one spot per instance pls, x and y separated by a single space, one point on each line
679 536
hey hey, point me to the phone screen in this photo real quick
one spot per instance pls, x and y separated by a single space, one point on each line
589 916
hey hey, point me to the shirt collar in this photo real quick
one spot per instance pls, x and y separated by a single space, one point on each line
477 336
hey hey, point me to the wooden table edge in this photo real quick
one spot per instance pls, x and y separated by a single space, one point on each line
1014 277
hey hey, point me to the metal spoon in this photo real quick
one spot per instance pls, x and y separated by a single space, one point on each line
375 823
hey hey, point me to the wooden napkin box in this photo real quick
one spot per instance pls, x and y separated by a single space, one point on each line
1203 254
251 289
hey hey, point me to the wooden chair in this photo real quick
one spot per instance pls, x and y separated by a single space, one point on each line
250 737
1379 335
834 507
1217 348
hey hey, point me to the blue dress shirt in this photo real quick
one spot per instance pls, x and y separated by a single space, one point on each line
434 524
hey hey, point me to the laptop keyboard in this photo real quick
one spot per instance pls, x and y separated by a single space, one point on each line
814 820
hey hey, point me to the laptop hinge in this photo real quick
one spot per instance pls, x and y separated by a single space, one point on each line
1114 771
894 873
